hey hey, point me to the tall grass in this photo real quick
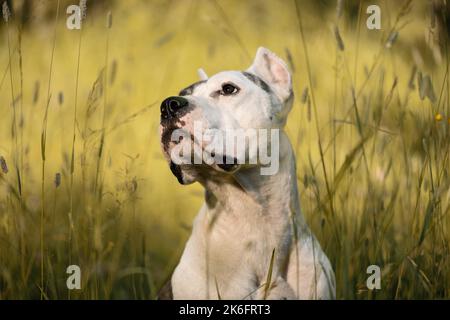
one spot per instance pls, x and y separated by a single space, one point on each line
14 127
43 153
370 126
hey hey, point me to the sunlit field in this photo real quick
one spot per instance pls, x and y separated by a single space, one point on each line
83 180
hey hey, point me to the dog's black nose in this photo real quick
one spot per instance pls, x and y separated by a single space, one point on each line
171 105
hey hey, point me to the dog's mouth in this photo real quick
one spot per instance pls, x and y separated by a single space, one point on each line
224 162
191 167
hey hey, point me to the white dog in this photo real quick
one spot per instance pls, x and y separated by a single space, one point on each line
249 240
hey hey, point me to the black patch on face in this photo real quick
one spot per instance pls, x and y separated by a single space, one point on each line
257 80
171 124
176 170
166 135
190 90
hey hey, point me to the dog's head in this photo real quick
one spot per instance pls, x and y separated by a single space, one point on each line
258 98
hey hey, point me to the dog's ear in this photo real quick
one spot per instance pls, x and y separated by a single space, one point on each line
269 67
202 74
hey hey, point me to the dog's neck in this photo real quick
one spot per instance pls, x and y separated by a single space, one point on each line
248 193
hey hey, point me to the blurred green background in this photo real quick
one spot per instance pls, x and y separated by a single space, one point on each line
370 126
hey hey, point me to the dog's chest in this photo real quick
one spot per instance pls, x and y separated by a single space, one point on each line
247 242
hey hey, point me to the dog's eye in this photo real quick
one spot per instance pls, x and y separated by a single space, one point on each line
229 89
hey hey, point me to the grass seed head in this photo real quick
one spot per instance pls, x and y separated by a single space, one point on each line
60 98
290 60
426 87
412 77
6 12
338 37
109 20
57 179
304 96
113 72
36 92
391 40
3 165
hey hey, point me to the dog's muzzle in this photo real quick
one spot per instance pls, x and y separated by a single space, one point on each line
171 106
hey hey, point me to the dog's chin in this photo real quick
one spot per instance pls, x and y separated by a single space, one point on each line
188 174
184 174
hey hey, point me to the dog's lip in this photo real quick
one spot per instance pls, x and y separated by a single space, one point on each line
176 171
167 128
